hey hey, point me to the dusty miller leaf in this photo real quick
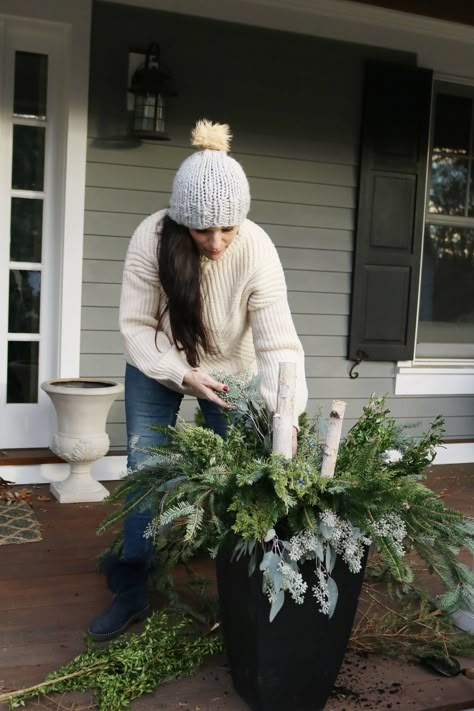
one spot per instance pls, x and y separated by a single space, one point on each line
277 604
333 594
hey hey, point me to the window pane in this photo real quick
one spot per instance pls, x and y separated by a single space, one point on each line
22 375
26 230
28 157
447 286
452 124
24 303
31 78
448 189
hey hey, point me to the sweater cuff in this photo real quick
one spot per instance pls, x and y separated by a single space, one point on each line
176 368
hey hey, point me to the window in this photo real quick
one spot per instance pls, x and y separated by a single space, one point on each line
26 225
446 315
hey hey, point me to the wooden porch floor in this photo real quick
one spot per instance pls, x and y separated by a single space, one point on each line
50 590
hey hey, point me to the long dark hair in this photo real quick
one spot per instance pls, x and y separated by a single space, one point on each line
180 276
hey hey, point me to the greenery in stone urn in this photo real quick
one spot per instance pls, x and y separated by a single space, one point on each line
205 492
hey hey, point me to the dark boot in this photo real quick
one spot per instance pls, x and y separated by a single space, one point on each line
127 580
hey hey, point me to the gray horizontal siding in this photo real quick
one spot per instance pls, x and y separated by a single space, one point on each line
300 151
315 168
147 182
409 408
411 411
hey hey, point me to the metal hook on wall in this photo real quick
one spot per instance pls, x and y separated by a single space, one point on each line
360 356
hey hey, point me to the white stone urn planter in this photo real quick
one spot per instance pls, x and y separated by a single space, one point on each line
82 406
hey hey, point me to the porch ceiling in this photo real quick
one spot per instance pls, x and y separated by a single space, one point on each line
441 36
315 17
462 12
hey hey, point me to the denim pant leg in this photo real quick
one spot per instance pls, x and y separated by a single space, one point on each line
214 417
147 403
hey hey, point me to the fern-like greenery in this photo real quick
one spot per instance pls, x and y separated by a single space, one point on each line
203 490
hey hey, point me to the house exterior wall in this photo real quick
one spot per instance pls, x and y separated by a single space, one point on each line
293 103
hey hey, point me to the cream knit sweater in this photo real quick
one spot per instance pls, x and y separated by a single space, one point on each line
245 310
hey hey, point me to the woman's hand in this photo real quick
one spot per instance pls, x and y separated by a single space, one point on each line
204 386
294 441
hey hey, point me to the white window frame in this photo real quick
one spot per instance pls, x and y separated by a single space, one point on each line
436 376
67 27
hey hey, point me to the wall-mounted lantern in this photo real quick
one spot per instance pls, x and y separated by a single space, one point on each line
149 87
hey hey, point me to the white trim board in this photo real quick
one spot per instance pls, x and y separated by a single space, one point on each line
72 22
113 467
109 468
422 380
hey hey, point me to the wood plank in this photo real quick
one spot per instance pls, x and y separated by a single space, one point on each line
403 407
109 186
317 281
99 319
99 294
101 342
323 345
342 388
106 247
314 259
400 407
256 166
109 365
106 223
115 248
309 325
255 143
101 271
310 237
278 213
110 272
270 212
38 455
323 278
333 367
102 363
106 319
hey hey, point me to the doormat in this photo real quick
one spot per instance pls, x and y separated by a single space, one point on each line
18 523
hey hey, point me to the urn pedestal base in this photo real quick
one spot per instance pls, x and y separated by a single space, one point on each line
79 487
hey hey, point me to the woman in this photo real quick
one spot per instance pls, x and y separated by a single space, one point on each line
203 290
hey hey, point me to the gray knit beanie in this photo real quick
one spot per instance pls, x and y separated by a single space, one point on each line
210 188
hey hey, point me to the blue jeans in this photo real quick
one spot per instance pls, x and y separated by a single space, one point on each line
149 403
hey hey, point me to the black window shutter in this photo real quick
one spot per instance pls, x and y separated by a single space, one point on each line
394 154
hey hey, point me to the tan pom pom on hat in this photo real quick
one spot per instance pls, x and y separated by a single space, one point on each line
210 188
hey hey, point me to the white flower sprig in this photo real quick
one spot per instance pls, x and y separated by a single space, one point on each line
392 456
392 527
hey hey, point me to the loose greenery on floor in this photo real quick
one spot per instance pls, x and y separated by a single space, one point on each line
169 648
406 626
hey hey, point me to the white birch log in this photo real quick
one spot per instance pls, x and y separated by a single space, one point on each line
284 415
333 437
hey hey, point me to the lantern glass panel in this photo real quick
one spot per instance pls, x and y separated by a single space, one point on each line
149 113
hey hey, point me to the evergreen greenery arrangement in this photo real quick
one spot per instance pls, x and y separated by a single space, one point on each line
205 492
169 648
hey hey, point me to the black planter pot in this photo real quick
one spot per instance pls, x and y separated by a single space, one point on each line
290 664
